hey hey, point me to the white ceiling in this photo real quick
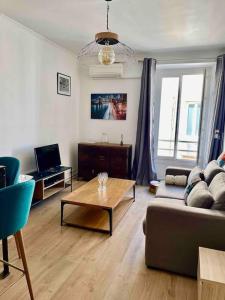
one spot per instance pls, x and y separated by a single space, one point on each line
145 25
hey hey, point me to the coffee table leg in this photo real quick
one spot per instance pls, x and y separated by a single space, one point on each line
62 207
110 221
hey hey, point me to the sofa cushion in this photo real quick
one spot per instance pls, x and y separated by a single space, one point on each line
177 171
196 175
211 170
170 191
169 201
217 189
200 196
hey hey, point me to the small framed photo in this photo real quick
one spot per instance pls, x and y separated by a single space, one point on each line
63 84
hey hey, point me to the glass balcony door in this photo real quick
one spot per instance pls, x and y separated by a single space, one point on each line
178 115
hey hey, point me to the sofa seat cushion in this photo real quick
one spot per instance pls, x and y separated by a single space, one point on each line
211 170
169 201
200 196
217 189
170 191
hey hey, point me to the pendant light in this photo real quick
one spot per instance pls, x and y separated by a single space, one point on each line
106 46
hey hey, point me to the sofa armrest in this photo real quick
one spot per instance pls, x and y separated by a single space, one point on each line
177 171
174 233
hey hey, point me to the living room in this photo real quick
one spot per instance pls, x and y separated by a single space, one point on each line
112 137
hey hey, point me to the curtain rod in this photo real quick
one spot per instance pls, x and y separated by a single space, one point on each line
189 60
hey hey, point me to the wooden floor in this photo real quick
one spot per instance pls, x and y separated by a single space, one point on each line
68 263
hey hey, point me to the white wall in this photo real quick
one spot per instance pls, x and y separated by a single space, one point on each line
31 112
91 130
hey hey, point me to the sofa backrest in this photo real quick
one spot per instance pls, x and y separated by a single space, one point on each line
217 189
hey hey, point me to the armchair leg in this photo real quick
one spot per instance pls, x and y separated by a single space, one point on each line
17 246
19 239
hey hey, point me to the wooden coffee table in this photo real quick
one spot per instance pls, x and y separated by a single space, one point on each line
98 211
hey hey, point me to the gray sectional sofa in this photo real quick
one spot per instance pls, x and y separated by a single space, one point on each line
174 230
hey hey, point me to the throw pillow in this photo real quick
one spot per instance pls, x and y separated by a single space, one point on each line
179 180
221 159
169 179
194 177
217 189
200 196
211 170
189 187
195 174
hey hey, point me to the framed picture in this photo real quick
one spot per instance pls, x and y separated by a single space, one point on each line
109 106
63 84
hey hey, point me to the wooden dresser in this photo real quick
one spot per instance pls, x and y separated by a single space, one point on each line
94 158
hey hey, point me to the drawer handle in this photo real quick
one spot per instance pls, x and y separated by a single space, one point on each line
101 157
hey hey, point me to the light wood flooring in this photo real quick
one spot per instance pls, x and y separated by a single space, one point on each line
71 264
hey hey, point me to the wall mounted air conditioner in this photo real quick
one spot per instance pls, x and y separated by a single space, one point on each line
102 71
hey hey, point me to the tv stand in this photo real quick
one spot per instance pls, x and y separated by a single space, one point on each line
50 182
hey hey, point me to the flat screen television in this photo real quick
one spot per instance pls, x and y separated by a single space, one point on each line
47 157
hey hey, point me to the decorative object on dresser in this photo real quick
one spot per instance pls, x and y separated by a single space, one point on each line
94 158
121 142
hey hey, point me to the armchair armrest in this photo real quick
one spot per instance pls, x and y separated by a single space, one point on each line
174 233
178 171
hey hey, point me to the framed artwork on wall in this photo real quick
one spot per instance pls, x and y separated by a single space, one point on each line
63 84
111 106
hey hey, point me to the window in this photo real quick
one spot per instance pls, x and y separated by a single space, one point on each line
189 119
193 119
180 113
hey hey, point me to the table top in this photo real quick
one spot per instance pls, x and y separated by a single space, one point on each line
212 265
89 195
102 144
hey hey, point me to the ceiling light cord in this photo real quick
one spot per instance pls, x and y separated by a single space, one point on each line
107 16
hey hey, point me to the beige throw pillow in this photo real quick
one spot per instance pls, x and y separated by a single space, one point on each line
179 180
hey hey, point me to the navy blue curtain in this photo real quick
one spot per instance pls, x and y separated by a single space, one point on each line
217 139
143 166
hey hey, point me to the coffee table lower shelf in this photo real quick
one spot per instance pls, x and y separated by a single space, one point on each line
96 219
